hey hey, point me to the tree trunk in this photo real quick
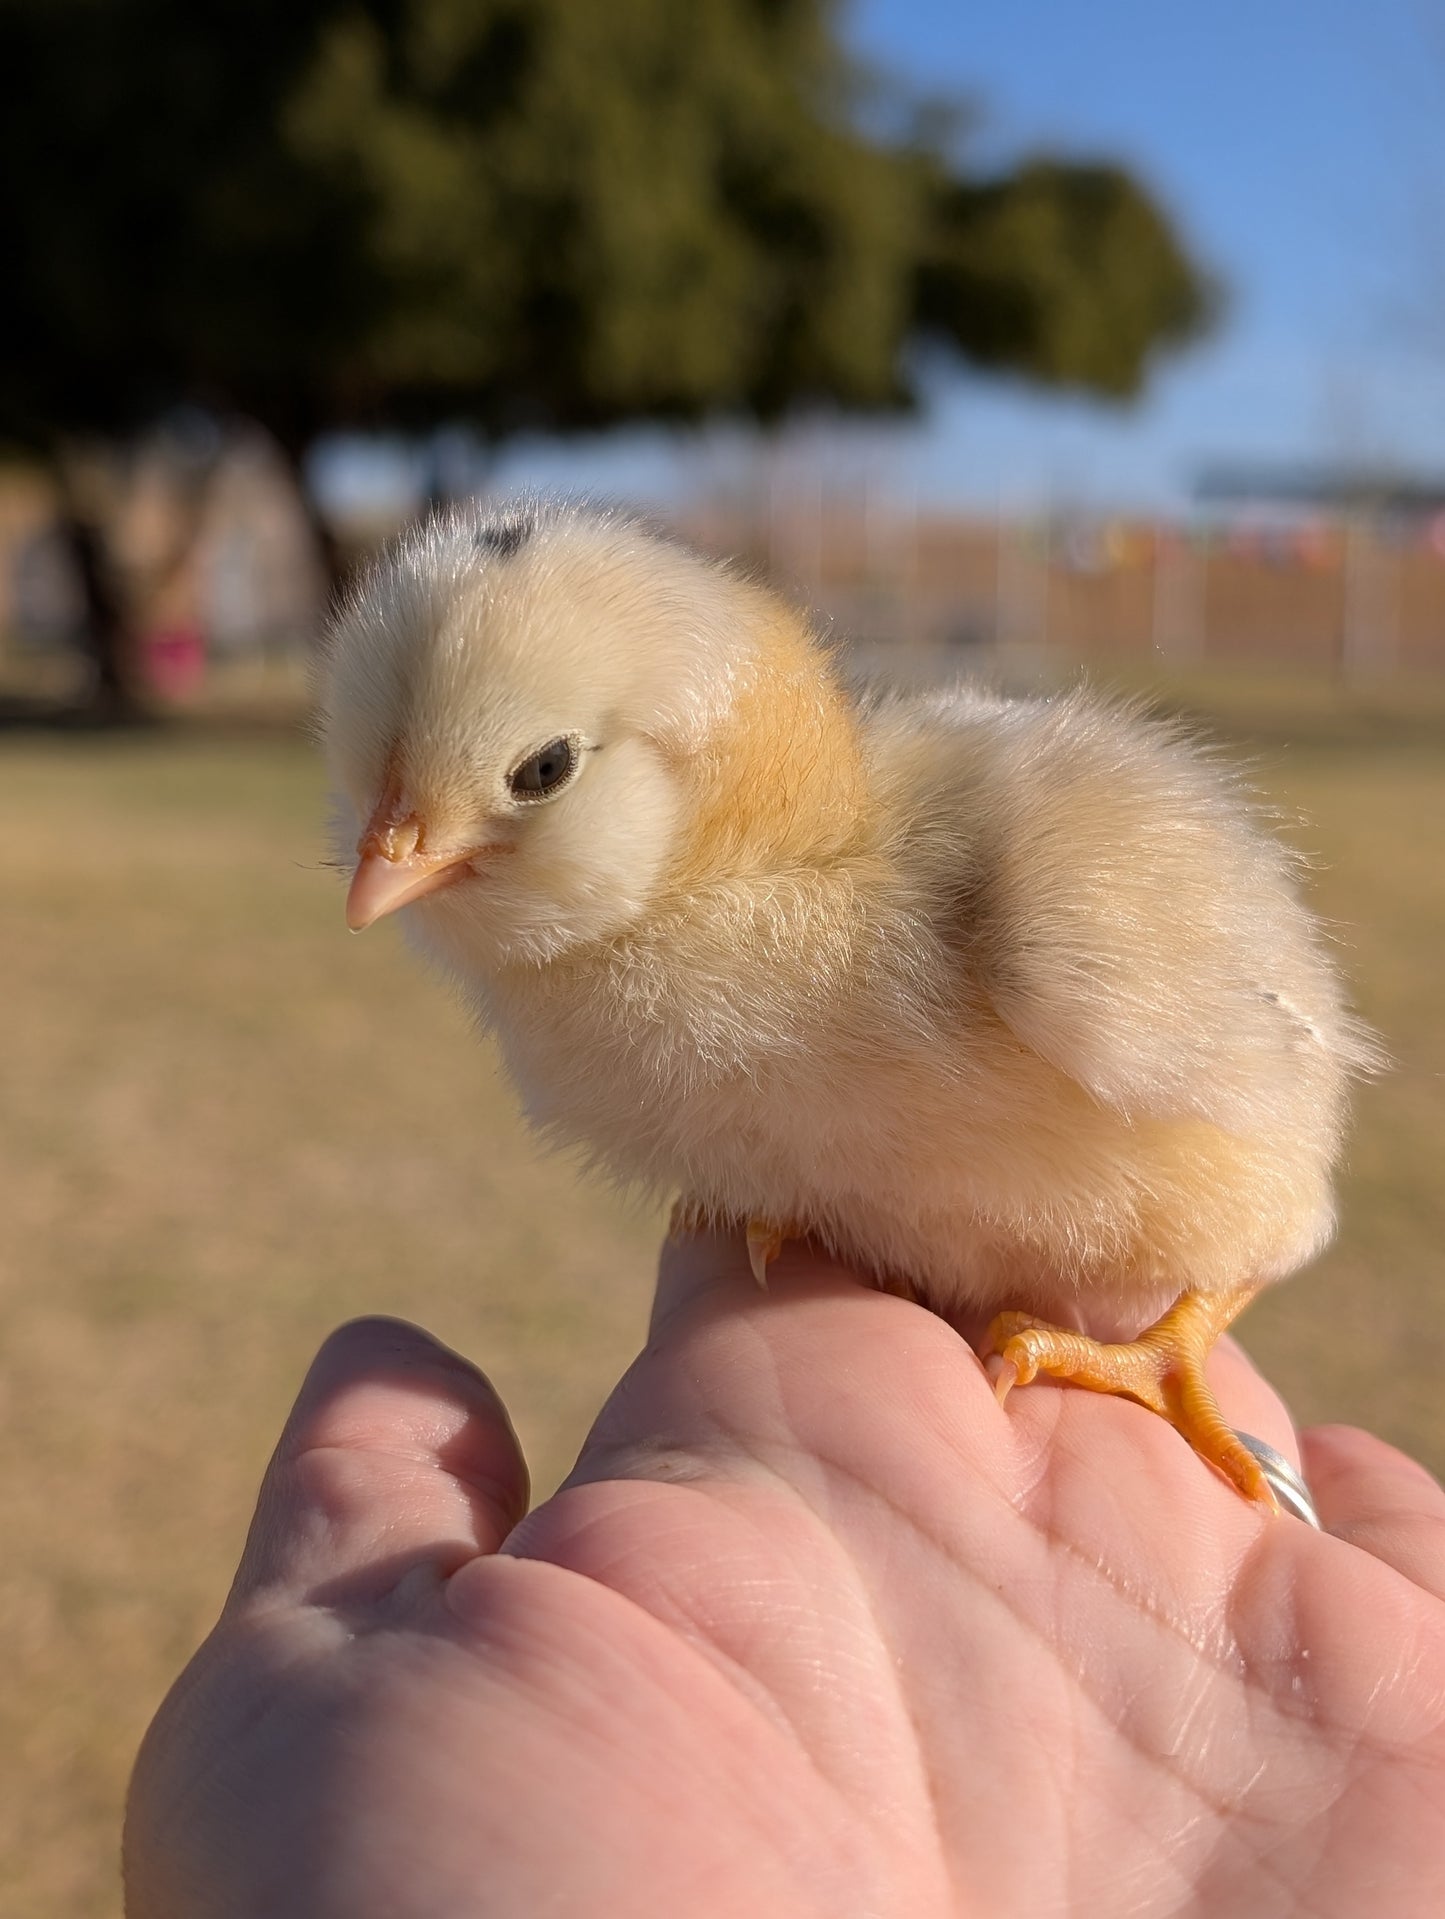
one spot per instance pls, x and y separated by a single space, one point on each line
108 637
121 606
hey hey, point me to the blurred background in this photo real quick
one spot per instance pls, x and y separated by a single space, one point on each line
1023 342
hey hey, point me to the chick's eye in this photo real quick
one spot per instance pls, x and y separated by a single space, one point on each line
549 767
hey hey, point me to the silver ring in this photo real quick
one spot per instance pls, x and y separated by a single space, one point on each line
1284 1482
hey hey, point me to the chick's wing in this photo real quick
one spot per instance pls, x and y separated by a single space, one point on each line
1114 894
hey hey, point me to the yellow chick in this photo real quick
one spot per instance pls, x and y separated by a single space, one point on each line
1010 1003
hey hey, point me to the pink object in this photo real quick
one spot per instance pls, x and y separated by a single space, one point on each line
174 661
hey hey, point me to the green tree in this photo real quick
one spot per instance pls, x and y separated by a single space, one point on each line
520 214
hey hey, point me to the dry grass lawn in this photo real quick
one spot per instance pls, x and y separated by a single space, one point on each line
225 1126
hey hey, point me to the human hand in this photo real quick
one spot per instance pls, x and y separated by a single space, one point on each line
814 1628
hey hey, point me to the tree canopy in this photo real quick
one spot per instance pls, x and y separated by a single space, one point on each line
523 214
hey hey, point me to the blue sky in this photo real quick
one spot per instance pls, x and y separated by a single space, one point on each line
1299 144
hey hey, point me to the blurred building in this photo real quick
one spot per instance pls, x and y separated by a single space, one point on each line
1322 585
1328 581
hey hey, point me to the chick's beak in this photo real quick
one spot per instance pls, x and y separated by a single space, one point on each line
394 868
379 885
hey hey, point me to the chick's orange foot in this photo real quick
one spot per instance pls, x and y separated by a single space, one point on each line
1162 1369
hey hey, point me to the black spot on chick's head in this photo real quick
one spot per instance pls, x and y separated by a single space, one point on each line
507 534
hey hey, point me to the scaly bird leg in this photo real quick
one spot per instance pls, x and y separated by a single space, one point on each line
1162 1369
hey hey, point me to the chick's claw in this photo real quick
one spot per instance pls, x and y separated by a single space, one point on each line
765 1242
1162 1369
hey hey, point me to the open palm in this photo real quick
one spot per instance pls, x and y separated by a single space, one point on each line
813 1628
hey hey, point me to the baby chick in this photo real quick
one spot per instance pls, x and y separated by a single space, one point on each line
1010 1003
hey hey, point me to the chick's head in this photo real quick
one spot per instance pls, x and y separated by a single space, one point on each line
508 701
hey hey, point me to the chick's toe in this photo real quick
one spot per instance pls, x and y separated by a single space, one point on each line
765 1242
1162 1369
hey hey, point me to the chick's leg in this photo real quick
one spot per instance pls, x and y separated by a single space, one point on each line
1162 1369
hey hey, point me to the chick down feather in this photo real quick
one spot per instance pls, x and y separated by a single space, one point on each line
1007 1002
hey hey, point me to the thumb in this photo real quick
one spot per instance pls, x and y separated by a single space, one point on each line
398 1455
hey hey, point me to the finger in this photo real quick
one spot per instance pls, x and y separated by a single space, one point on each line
1380 1500
398 1461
